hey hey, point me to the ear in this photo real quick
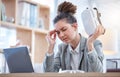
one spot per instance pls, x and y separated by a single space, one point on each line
75 25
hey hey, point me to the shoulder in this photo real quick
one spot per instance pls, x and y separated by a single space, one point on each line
97 42
62 46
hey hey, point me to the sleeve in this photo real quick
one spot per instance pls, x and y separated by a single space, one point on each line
52 62
95 58
48 63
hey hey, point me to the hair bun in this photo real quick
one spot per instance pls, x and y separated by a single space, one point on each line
66 7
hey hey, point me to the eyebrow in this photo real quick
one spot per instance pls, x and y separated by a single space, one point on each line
61 29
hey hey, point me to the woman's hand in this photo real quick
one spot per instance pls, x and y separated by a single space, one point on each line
51 37
100 30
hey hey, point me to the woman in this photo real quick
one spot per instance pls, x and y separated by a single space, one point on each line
76 52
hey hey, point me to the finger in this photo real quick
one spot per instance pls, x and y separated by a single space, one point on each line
102 29
96 31
47 38
54 36
99 30
52 32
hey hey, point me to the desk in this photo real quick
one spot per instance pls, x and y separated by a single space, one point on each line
61 75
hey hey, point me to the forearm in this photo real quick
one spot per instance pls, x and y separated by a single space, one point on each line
95 55
50 49
95 62
52 62
48 63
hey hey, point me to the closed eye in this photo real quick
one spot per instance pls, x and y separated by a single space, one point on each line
58 32
61 30
64 29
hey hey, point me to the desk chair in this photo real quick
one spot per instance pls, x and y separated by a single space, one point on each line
114 67
18 60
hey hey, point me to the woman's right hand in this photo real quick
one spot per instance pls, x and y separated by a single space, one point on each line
51 37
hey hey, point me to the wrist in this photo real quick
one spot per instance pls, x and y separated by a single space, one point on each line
49 54
90 46
50 49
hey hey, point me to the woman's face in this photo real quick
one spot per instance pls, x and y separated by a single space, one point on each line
65 31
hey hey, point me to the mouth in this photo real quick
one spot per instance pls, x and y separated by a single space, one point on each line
64 39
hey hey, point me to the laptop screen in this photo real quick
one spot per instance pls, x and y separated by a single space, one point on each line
18 60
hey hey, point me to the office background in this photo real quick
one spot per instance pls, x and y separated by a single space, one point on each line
110 16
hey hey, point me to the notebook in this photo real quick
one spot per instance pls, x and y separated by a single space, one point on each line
18 60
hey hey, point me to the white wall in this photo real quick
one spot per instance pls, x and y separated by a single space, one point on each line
110 10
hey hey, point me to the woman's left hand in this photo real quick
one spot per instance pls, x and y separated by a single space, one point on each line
100 30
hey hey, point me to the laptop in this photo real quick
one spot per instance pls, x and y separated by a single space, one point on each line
18 60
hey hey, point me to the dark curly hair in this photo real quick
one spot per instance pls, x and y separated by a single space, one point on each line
66 10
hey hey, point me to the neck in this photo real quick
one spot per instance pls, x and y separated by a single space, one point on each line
76 41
